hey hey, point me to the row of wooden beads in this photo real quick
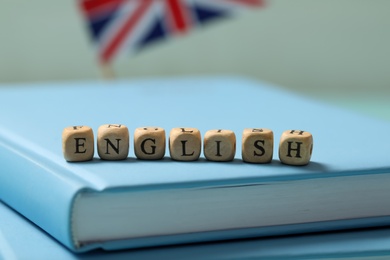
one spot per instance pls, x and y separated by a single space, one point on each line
295 147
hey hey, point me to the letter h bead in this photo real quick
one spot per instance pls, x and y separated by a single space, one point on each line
295 147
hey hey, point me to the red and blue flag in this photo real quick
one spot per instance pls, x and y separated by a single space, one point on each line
129 25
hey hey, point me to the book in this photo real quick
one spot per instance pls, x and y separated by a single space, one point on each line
20 239
136 203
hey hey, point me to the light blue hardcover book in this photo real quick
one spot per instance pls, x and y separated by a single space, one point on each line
20 239
134 203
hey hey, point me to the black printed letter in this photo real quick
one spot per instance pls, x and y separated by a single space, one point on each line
255 130
153 146
116 149
183 146
261 148
298 149
300 132
78 144
218 148
183 130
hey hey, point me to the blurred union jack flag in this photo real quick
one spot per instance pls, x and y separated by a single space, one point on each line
120 25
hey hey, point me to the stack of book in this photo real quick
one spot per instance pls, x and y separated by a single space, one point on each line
133 203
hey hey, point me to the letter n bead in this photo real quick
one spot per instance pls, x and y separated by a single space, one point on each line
185 144
295 147
219 145
257 145
113 142
149 143
78 143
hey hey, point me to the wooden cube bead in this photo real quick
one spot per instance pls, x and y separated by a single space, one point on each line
295 147
257 145
185 144
113 142
149 143
219 145
78 143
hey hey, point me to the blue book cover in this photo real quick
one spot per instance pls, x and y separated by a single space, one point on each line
135 203
20 239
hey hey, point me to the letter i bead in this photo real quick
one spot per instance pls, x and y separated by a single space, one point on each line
295 147
219 145
78 143
185 144
113 142
149 143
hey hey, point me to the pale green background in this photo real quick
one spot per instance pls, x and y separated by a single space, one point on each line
338 50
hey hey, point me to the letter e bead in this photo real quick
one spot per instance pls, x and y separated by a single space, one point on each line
219 145
149 143
78 143
257 145
185 144
295 147
113 142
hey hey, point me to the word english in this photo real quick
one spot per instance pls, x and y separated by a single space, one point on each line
185 144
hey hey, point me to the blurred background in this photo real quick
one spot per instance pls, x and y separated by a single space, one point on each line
335 50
